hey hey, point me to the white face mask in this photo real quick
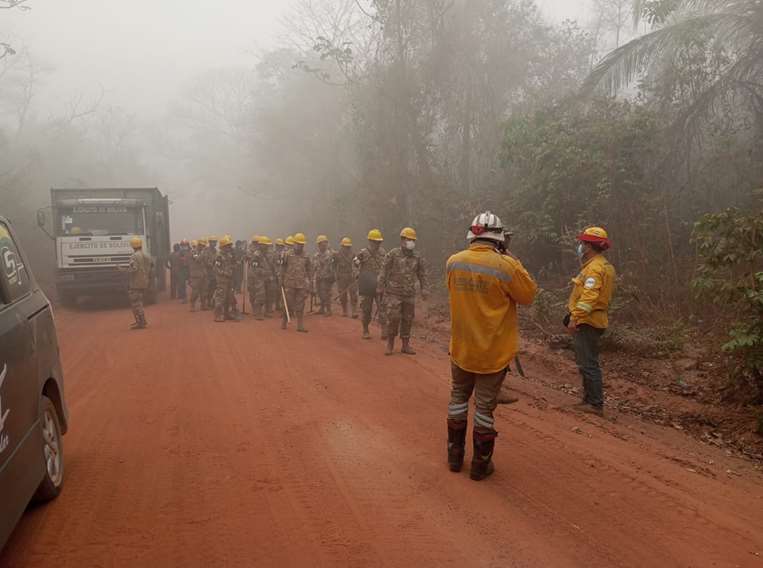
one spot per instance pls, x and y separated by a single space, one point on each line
580 251
410 245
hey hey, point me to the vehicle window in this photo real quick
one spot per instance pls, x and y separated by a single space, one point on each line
98 221
15 275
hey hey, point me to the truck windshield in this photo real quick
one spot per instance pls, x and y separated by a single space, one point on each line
91 220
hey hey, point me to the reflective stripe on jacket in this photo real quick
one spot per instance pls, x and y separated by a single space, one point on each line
592 291
485 288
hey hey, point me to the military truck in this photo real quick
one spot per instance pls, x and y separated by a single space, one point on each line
92 229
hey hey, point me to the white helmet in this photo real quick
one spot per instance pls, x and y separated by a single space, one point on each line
486 226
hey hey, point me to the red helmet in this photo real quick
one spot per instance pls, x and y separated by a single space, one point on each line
596 236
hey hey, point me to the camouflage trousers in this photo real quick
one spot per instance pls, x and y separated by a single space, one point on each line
211 286
198 291
296 298
225 299
367 310
261 295
400 313
485 389
136 303
324 293
348 290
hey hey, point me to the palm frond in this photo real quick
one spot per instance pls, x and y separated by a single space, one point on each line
624 64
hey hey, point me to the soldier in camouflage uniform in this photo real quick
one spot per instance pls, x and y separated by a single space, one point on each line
225 298
262 279
345 278
296 277
210 254
402 268
368 264
323 263
139 278
198 273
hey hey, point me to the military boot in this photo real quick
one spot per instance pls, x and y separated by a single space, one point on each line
219 315
407 349
390 345
482 460
345 311
366 333
284 323
258 313
301 323
456 444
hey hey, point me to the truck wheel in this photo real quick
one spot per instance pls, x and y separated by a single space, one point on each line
52 452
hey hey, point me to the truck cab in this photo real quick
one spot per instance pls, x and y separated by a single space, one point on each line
92 229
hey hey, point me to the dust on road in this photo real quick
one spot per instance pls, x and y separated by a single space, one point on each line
203 444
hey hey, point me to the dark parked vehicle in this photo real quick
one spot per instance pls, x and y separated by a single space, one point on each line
33 414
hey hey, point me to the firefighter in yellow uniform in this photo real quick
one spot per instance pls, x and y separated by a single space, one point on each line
484 287
588 318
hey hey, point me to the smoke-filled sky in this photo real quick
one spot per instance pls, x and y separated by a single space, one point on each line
141 52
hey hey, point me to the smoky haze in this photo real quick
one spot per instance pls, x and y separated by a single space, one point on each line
321 116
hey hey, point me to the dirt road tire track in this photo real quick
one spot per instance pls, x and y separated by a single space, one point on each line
251 446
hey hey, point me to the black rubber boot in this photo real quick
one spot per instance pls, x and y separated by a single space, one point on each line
482 460
366 333
456 445
390 345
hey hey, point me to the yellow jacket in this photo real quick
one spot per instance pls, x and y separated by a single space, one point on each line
592 291
485 288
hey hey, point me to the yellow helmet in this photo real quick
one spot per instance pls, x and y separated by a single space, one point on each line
194 244
596 236
280 242
375 235
75 231
212 239
255 239
136 243
321 239
408 233
203 241
265 241
346 242
226 241
289 241
300 239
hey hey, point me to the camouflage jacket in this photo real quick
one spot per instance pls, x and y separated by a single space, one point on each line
209 255
296 271
344 265
400 272
198 268
139 271
323 264
366 261
225 263
261 265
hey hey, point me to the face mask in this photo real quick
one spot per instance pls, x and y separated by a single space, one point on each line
580 251
410 245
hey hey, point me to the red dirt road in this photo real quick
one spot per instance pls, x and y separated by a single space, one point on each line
203 444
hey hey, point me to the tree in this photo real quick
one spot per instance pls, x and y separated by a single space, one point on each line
6 49
737 25
730 275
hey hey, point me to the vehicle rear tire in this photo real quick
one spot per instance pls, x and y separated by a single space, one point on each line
52 452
